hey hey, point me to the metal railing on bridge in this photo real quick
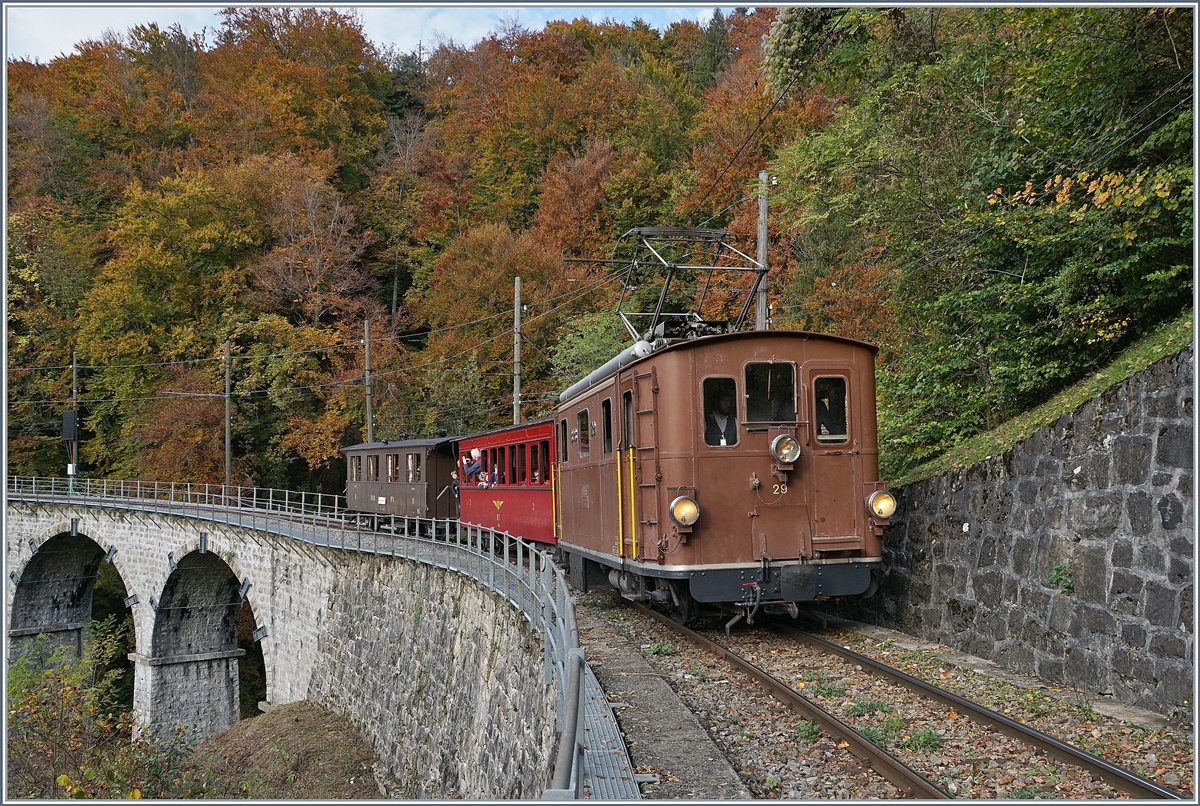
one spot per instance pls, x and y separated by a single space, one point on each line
513 568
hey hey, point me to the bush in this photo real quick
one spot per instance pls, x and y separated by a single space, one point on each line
68 736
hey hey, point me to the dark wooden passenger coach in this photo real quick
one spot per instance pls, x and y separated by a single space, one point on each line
406 477
735 468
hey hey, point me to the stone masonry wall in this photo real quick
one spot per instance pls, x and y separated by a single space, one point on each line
444 678
1069 557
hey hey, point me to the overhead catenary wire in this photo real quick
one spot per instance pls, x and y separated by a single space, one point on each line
779 98
266 392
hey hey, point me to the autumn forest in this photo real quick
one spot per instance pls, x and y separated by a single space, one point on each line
1000 199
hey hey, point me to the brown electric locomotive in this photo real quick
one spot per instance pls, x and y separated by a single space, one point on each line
734 471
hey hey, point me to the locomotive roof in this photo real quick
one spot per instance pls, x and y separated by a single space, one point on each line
685 344
742 334
431 442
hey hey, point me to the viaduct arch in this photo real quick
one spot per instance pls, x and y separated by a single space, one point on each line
186 581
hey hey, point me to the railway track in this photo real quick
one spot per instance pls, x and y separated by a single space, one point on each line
913 764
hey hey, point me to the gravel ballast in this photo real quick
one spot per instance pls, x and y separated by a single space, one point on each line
778 754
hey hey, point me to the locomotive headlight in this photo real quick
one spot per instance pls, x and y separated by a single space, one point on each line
685 511
785 448
882 503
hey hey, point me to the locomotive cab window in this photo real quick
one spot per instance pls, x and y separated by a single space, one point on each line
720 412
606 415
562 441
770 393
628 403
829 410
584 438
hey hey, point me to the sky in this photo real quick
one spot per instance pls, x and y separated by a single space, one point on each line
43 31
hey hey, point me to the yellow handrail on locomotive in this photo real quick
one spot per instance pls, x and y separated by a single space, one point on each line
620 510
554 500
632 506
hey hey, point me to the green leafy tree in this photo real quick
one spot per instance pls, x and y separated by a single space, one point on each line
1019 179
585 344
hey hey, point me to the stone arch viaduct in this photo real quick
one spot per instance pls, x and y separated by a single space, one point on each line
336 609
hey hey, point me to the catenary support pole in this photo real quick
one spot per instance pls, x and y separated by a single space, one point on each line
760 322
75 408
517 351
367 361
228 416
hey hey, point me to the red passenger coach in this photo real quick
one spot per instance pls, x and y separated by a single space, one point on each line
505 480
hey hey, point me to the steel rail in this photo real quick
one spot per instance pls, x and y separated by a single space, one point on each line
897 772
1134 784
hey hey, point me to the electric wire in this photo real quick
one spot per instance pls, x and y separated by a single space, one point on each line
779 98
574 295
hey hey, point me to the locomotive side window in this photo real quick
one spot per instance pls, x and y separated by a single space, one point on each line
413 467
372 467
606 415
545 462
770 393
562 441
720 411
829 410
628 420
585 440
355 468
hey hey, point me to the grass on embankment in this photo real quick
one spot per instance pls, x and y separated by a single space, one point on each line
1166 340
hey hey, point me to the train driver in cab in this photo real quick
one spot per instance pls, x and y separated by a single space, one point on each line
720 426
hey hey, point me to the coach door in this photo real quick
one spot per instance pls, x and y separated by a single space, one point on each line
833 447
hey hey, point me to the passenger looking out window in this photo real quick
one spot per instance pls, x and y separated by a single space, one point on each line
720 407
471 465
